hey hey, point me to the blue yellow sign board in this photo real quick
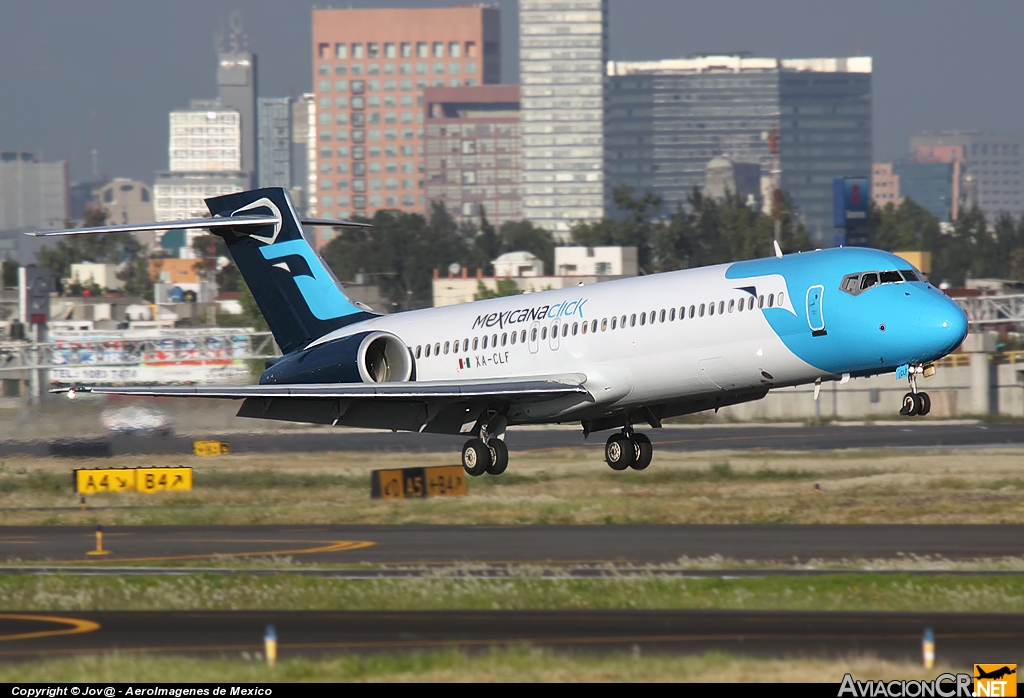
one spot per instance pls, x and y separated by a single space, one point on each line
145 480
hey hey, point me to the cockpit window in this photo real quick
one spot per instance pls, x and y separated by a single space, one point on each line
855 284
868 280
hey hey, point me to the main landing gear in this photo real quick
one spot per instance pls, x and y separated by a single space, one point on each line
915 404
487 454
628 450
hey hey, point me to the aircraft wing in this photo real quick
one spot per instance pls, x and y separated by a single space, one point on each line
535 387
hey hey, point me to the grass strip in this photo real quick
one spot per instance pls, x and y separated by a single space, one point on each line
519 664
199 591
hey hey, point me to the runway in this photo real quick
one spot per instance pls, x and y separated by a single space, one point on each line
960 638
551 545
911 434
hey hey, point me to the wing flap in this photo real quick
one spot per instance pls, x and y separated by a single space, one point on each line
537 387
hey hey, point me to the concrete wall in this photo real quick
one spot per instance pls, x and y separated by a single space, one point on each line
879 397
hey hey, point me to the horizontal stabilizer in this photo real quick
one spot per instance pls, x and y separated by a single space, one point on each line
536 388
220 222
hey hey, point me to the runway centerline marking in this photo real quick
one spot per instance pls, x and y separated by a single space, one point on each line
78 625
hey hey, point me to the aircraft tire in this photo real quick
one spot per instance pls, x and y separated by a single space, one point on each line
619 452
644 451
910 405
499 457
924 404
476 457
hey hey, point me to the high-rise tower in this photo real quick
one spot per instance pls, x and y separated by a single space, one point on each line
562 52
236 86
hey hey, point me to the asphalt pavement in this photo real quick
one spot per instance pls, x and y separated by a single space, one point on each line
554 545
910 434
961 639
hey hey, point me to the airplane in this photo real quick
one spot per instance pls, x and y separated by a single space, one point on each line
610 356
995 674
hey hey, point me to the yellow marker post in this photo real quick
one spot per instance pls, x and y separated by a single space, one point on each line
99 543
928 648
270 645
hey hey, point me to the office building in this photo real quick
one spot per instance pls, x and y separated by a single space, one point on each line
206 137
931 185
274 142
667 119
562 52
370 67
126 201
180 196
989 168
33 193
303 149
236 88
885 185
473 151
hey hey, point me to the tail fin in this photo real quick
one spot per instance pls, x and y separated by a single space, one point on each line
296 291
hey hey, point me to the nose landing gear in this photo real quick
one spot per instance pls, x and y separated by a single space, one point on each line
915 404
628 450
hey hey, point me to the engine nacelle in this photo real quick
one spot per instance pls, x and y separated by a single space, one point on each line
367 357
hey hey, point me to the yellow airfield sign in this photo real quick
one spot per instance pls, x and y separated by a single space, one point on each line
147 480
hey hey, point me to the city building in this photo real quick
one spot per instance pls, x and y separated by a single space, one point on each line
931 185
103 275
986 168
370 67
723 177
236 89
667 119
473 151
577 266
303 149
562 53
274 142
885 185
125 201
596 261
206 137
33 193
180 196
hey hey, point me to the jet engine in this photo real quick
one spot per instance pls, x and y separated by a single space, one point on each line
366 357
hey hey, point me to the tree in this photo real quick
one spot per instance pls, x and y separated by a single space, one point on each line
136 278
635 229
210 249
524 235
109 248
506 287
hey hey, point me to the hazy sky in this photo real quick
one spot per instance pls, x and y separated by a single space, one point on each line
938 63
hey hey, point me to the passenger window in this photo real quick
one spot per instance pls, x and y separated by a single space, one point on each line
615 321
604 324
584 328
494 340
782 298
465 345
692 310
446 346
622 322
593 326
544 332
565 329
721 307
632 320
672 315
485 342
909 275
522 336
701 312
575 328
513 337
740 306
437 349
643 319
868 280
750 303
661 317
504 338
711 309
732 305
891 277
771 299
760 301
418 350
533 334
476 343
427 352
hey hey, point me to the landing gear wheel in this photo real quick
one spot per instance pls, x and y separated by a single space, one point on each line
644 451
476 457
910 405
499 457
924 404
619 452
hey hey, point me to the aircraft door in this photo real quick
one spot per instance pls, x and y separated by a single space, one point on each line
534 337
555 329
815 318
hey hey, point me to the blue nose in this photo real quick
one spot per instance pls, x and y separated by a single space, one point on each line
942 327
